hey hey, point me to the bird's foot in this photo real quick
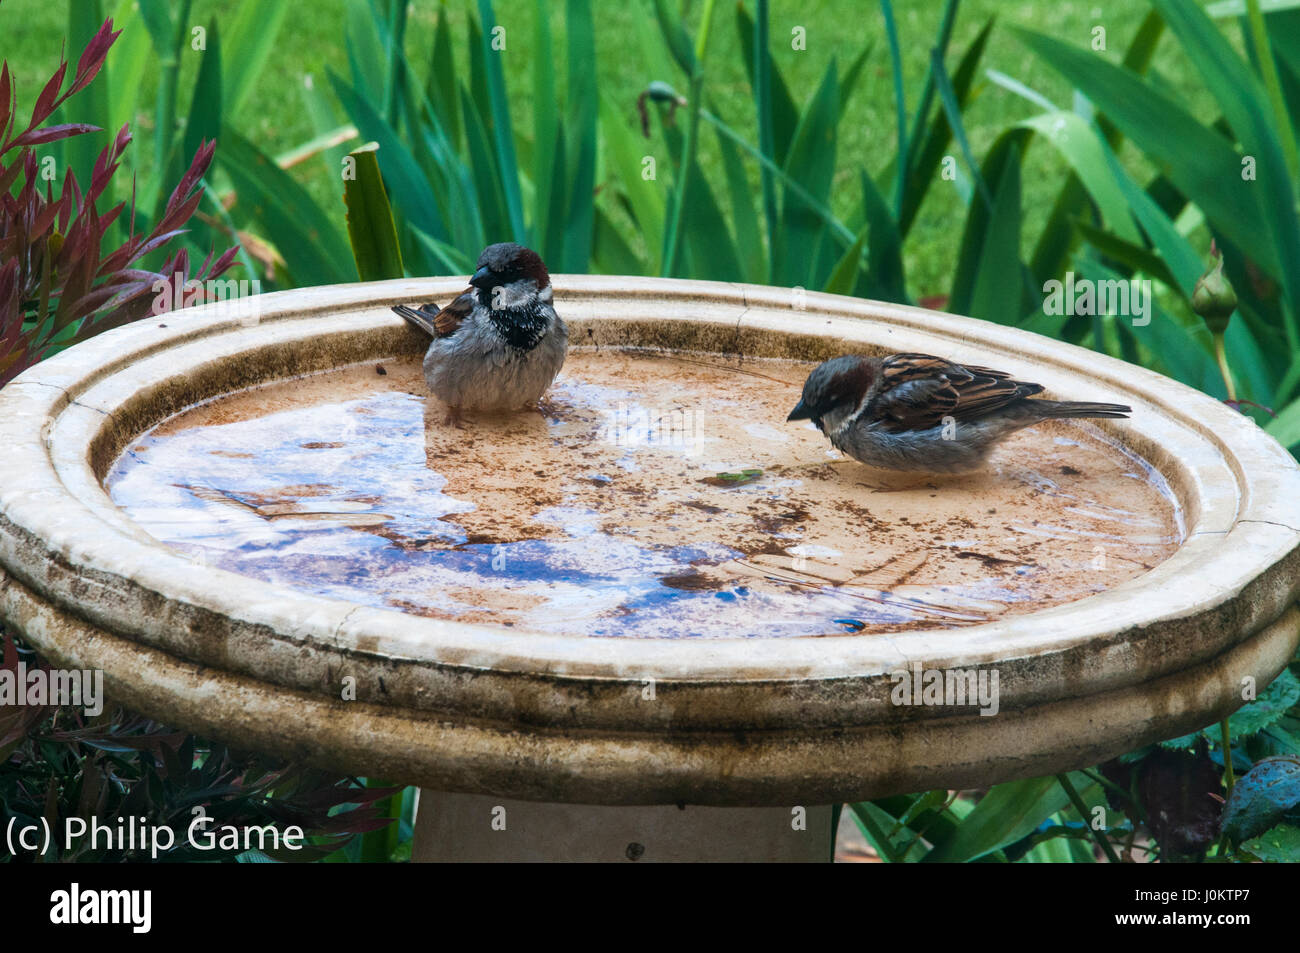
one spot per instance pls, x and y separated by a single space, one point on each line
899 486
542 407
454 418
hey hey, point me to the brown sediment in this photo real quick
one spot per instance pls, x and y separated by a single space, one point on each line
651 449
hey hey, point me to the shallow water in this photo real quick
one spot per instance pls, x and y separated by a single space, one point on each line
627 510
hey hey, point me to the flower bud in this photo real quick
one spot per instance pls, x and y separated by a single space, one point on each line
661 92
1213 298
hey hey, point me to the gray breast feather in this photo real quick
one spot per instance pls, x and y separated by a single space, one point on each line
475 370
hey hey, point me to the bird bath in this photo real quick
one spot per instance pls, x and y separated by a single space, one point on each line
655 593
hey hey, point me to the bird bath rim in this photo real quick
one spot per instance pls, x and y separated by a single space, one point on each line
78 573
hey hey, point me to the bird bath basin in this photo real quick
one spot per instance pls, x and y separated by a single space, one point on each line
657 592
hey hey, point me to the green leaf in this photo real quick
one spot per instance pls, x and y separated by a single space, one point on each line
206 108
502 137
1199 161
1285 428
1278 845
997 292
1007 813
749 238
252 37
392 27
938 50
777 110
313 247
1185 265
763 103
326 125
976 232
132 54
1057 237
1173 344
849 81
158 21
876 824
926 157
811 163
884 278
1271 705
738 478
845 273
611 254
451 260
709 245
92 104
623 153
442 88
900 104
580 187
1247 109
366 52
674 32
545 123
951 106
487 184
1080 145
1135 257
408 181
370 220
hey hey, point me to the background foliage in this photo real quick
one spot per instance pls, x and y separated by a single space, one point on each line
914 152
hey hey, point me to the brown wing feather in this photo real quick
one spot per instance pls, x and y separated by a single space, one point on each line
919 390
448 320
436 322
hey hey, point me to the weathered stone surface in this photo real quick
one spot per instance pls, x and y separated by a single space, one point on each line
472 708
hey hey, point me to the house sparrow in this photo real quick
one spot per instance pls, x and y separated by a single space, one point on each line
499 344
917 412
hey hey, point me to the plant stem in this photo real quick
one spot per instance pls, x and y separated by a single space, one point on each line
1098 836
702 40
1221 355
766 145
672 237
1228 778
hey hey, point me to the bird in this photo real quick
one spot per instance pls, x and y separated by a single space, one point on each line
918 412
499 344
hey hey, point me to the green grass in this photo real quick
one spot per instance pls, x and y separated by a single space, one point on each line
630 54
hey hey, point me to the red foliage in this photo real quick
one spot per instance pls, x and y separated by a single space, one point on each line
54 270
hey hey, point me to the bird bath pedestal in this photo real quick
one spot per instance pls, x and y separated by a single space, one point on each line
656 621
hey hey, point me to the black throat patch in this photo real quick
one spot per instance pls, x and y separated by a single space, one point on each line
520 328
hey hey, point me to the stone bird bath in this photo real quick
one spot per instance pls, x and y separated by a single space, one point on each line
656 621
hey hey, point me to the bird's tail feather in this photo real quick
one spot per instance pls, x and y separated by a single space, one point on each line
1080 408
422 318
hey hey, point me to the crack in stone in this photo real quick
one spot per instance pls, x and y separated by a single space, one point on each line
1273 523
338 629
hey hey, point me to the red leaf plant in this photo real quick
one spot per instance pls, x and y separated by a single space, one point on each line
58 284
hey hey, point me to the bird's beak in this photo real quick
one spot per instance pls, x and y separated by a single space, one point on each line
800 412
482 278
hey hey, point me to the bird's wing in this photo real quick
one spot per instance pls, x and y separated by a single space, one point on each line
436 322
918 391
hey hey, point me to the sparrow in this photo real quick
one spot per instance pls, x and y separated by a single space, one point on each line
919 412
499 344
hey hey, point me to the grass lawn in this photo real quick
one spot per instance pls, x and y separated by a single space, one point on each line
630 53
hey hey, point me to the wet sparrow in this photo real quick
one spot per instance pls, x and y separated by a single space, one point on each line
917 412
499 344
